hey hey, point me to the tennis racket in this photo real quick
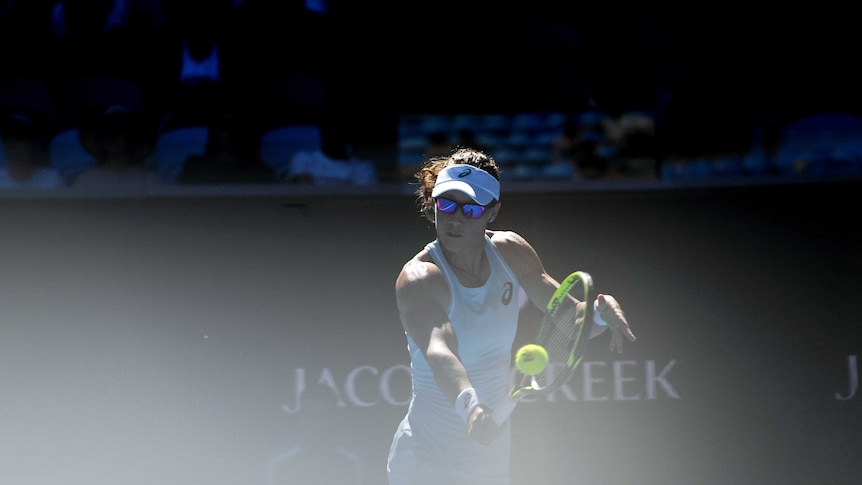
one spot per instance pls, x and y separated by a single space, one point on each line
563 336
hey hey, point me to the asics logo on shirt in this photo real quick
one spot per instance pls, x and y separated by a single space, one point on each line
507 293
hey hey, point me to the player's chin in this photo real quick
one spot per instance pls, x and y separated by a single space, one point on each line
453 240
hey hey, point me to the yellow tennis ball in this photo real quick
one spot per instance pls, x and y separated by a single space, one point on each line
531 359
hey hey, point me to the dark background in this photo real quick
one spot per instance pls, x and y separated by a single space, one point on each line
707 74
158 340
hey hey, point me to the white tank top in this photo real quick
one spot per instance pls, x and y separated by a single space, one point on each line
485 320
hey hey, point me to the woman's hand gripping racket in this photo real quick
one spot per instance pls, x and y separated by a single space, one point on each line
563 336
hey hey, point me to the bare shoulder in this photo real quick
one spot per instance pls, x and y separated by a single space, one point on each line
517 251
418 269
511 244
419 277
507 238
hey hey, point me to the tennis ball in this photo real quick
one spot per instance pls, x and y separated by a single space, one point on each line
531 359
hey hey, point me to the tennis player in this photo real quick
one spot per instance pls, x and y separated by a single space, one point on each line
458 303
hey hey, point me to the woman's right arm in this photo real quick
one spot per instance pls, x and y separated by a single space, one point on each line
422 297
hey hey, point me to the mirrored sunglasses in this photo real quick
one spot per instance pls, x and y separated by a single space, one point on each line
470 210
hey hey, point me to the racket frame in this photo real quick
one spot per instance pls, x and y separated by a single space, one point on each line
524 385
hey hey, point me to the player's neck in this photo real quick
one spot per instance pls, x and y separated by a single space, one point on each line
471 272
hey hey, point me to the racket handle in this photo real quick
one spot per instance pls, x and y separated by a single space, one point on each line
501 414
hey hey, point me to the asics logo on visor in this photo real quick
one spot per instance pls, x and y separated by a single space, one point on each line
464 173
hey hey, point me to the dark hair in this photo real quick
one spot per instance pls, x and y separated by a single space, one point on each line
427 174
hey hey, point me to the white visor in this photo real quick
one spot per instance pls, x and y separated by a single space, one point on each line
480 185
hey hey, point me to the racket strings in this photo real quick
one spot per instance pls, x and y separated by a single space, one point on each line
561 336
557 336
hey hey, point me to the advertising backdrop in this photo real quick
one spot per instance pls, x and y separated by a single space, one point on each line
255 340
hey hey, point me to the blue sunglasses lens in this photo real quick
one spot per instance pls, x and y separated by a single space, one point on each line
473 211
470 211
